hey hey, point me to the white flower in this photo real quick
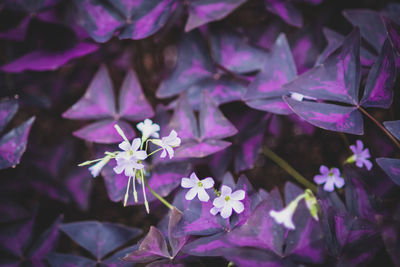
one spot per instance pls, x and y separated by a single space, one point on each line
284 216
329 177
297 96
228 201
167 143
148 129
96 168
197 187
127 160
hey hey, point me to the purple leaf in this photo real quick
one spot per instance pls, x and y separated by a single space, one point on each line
175 242
98 101
221 88
30 6
286 11
144 18
338 79
14 238
334 41
202 12
13 144
393 127
132 102
393 32
8 108
233 52
201 142
99 238
97 20
391 167
391 239
329 116
381 78
197 220
261 230
67 260
115 260
248 257
18 33
266 91
79 184
46 241
193 64
45 60
151 248
212 121
11 211
210 246
370 24
103 131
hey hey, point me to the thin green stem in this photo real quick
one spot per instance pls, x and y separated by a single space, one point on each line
163 200
155 151
289 169
146 204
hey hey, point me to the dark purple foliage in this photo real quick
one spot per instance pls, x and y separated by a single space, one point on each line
98 103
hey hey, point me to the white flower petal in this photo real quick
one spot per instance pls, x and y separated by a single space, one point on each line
225 190
141 154
219 202
208 182
329 185
214 210
202 194
320 179
125 146
238 195
237 206
187 183
129 171
163 153
136 144
119 169
191 194
193 177
226 211
170 151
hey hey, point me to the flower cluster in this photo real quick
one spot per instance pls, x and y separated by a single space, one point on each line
332 177
224 203
130 158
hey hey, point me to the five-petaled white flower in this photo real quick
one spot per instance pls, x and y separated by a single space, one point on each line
96 168
167 143
148 129
285 216
331 178
197 187
360 155
228 201
127 160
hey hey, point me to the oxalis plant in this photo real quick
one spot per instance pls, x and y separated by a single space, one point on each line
219 133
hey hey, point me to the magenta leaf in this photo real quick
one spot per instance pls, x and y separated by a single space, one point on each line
98 102
195 72
231 50
99 238
204 11
13 144
381 78
393 127
370 24
103 131
266 91
329 116
46 60
134 19
203 140
8 108
286 11
391 167
393 31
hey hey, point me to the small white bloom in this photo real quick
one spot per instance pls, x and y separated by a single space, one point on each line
148 129
284 216
168 143
96 168
228 201
297 96
197 187
127 160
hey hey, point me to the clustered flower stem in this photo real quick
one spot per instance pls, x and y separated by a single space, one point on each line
289 169
380 126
